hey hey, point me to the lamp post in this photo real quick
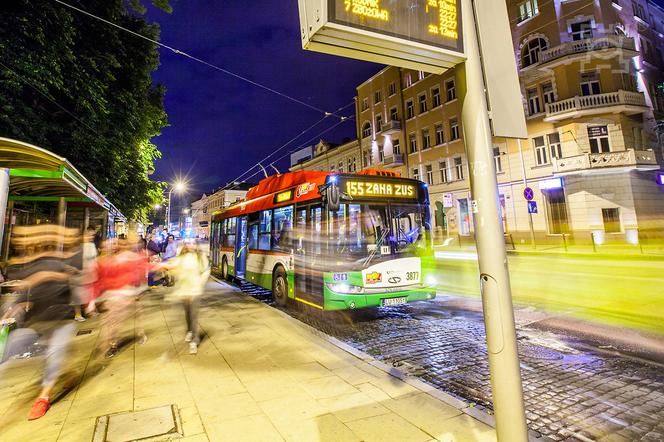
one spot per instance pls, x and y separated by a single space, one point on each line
179 187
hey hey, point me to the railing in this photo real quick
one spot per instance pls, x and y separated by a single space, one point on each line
390 127
596 101
393 160
623 158
587 45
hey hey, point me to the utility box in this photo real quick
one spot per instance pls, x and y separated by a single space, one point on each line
417 34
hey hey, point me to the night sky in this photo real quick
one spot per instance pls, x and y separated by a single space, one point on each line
219 125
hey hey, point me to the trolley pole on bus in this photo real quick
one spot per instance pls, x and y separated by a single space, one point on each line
492 257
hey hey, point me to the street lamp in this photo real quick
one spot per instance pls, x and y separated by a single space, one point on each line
179 186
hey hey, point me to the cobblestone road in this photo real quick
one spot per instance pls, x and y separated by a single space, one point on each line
571 393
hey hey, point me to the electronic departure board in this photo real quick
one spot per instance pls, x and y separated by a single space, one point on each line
416 34
433 22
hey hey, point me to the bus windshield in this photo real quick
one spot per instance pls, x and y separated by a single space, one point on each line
373 230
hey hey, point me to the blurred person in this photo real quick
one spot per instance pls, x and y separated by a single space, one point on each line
120 282
154 253
170 252
41 275
191 270
81 284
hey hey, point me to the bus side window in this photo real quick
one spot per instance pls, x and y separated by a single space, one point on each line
252 241
283 226
265 230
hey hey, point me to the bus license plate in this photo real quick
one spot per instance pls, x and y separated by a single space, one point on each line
393 301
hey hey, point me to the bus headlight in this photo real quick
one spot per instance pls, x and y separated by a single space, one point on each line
430 281
345 289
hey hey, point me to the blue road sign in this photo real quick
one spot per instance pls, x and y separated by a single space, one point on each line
532 207
528 194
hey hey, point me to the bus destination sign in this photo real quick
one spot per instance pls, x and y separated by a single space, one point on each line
432 22
373 189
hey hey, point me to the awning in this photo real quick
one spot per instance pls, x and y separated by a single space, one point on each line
37 174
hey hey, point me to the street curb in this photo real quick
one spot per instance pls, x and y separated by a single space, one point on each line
414 382
409 379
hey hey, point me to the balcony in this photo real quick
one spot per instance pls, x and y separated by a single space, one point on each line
391 127
395 160
608 44
643 159
626 102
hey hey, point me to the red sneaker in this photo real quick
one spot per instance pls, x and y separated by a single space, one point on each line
39 409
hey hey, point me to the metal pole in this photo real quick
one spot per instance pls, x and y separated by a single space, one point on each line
525 184
492 257
168 212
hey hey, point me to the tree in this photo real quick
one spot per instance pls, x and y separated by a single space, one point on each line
83 89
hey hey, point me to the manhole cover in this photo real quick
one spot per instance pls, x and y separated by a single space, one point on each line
154 424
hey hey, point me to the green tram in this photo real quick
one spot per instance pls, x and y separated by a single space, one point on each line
331 241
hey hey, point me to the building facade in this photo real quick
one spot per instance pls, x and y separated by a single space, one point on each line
592 86
201 210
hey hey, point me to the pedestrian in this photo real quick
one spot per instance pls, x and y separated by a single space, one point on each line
120 282
191 270
42 278
81 284
154 252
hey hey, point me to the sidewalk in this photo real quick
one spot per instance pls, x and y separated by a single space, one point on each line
259 376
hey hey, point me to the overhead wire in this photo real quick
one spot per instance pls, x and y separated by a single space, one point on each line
199 60
283 146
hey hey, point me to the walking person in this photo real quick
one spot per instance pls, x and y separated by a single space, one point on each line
82 283
191 270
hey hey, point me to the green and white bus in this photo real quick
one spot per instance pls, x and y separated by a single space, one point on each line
331 241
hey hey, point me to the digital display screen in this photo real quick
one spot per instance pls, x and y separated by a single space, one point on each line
368 189
432 22
283 196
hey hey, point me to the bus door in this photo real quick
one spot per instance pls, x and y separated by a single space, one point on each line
309 255
241 247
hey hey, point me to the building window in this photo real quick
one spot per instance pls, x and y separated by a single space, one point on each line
392 88
381 154
454 129
638 10
396 147
365 104
555 148
349 165
440 134
416 173
426 140
527 10
556 211
442 167
598 136
547 93
332 168
412 142
379 122
435 97
378 97
410 109
530 53
420 75
611 219
422 100
341 167
450 90
366 130
533 102
429 169
394 114
590 83
458 168
541 157
367 159
408 81
497 158
581 30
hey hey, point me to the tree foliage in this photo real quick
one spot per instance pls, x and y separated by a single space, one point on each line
83 89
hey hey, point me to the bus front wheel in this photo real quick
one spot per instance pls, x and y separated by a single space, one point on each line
280 287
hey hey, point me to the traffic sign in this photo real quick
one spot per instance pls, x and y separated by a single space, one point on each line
528 194
532 207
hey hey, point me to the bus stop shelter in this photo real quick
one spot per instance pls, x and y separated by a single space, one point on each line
40 187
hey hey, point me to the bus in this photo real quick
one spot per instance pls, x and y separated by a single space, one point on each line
333 241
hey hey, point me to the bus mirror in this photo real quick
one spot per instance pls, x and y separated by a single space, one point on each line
333 197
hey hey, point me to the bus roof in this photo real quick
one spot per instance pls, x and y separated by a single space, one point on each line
303 184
